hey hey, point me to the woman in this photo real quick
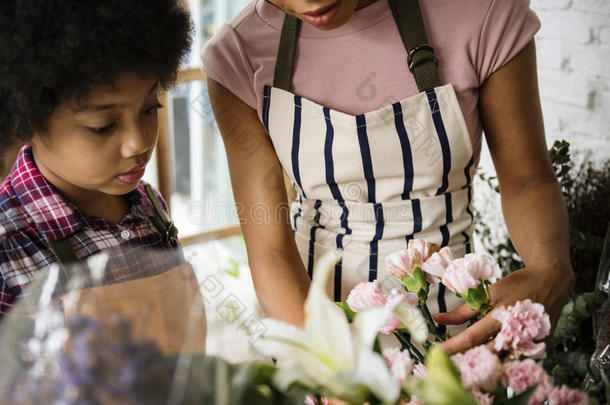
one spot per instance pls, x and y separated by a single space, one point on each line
377 121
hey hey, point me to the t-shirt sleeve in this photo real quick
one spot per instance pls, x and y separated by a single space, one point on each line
224 60
508 27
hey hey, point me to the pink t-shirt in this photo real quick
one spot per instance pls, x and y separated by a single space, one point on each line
362 65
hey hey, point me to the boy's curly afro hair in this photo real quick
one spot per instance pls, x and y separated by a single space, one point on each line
54 50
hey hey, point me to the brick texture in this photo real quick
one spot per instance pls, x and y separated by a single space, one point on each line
574 71
573 49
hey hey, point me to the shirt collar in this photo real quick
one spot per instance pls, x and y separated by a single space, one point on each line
55 217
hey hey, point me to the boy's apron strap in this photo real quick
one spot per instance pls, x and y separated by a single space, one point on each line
422 62
167 229
284 65
407 14
63 251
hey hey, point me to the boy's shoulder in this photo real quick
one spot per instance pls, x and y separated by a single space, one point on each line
13 215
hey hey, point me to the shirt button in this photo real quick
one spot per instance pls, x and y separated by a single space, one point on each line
126 235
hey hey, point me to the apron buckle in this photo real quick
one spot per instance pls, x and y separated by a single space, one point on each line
424 47
171 235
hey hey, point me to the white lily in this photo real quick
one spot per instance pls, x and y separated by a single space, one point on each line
330 355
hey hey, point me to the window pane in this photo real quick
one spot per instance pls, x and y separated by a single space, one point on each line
201 197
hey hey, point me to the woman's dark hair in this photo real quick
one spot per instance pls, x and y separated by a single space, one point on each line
54 50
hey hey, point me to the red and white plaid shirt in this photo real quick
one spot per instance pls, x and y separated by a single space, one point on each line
33 214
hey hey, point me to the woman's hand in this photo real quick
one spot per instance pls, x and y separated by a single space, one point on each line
549 286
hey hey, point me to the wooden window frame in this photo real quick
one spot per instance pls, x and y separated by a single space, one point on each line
164 165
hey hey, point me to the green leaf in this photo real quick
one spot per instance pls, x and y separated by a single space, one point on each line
348 311
520 399
416 283
563 375
477 298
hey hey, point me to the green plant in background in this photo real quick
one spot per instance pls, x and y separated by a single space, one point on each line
587 194
586 190
571 348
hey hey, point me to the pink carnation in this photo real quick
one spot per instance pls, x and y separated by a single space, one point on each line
566 396
403 262
436 265
395 299
521 375
419 371
401 297
482 398
424 248
366 296
400 362
469 271
479 368
522 324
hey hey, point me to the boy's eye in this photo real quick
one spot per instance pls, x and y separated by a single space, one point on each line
103 130
153 109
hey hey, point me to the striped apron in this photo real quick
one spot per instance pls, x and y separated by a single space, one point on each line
369 183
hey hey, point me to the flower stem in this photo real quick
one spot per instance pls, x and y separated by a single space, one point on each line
430 322
487 307
405 341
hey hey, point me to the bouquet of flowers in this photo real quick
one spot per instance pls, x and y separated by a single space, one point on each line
337 355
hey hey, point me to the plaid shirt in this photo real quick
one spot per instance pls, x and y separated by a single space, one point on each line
33 214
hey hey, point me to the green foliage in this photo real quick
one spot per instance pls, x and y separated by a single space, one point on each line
477 298
417 284
519 399
574 315
587 194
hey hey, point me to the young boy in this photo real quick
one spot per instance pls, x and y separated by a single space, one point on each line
78 87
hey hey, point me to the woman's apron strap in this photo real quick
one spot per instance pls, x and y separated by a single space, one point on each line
422 62
284 65
407 14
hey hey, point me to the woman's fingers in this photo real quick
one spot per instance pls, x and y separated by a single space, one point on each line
458 316
478 333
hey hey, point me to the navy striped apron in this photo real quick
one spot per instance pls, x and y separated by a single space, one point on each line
369 183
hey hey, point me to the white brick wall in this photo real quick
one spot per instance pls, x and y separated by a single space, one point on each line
573 48
574 71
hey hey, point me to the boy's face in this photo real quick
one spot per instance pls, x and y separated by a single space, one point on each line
102 142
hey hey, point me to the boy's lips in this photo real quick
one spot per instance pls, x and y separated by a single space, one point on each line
322 16
132 176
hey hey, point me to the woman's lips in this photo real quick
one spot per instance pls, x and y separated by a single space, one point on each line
324 18
132 177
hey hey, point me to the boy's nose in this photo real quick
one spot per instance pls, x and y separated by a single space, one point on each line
137 141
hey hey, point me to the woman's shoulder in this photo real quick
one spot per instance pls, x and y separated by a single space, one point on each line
235 51
481 35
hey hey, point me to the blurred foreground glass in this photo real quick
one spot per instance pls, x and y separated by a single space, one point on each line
100 332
